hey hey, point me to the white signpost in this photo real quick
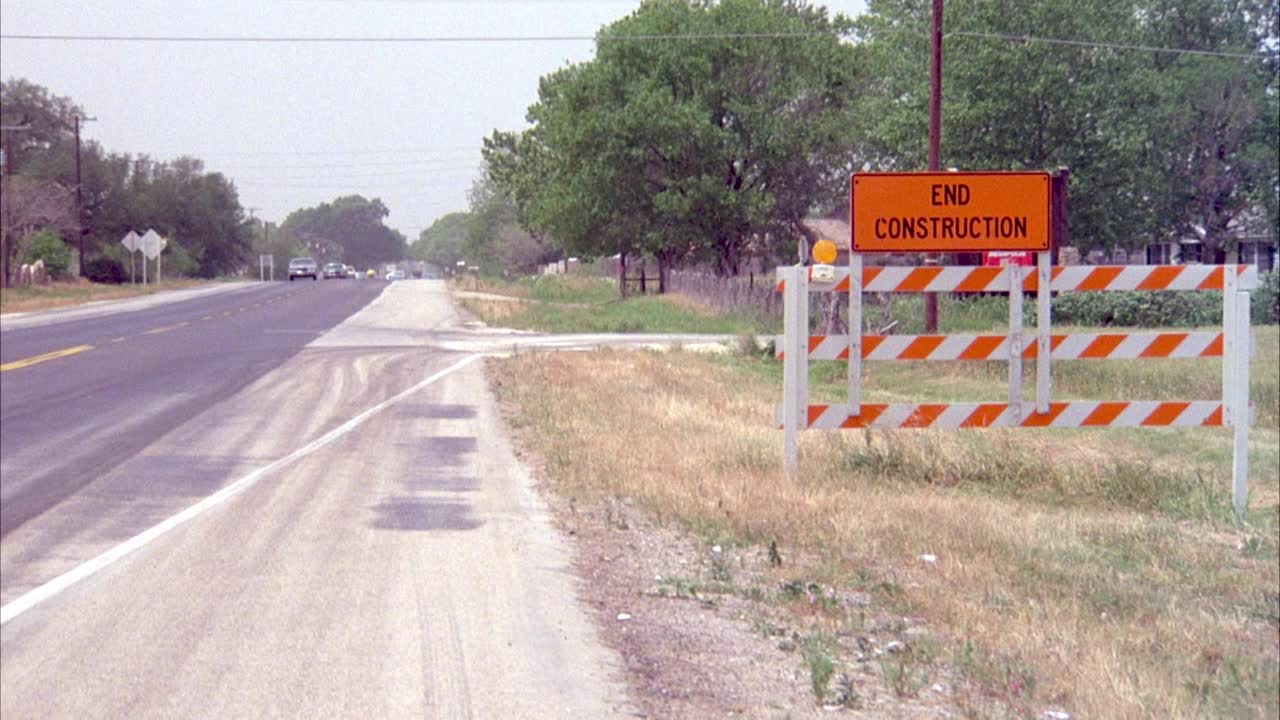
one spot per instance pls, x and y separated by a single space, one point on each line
151 244
132 241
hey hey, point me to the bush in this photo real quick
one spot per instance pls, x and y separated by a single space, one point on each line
1264 305
105 270
1164 309
47 245
1139 309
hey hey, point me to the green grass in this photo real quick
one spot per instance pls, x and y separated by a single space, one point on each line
573 304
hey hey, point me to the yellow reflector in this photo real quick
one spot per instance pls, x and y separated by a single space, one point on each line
824 252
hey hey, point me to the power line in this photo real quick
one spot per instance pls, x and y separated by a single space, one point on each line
287 39
1111 46
278 39
320 153
343 175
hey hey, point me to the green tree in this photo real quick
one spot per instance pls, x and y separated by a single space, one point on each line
442 243
350 229
716 146
1159 143
47 118
47 245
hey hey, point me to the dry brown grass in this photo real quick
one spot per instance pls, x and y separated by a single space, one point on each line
1094 571
65 293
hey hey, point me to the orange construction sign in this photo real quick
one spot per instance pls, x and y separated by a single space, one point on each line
949 211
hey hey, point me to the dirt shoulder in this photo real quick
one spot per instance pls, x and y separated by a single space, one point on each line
695 646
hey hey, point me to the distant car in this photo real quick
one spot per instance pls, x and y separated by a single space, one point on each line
334 271
302 267
351 272
396 274
371 273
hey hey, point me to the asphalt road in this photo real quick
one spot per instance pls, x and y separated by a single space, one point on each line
327 521
133 376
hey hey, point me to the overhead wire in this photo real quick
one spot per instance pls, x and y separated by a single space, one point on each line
312 39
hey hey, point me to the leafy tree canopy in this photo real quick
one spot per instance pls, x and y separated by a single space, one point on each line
350 230
716 147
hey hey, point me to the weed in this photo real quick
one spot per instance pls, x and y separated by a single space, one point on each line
817 657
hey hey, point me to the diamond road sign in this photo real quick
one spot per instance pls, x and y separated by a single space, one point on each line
152 244
132 241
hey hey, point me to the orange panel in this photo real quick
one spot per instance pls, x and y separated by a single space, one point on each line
1165 413
1104 414
1099 279
918 279
921 347
1163 345
949 212
1160 278
924 415
982 347
984 415
978 279
1103 346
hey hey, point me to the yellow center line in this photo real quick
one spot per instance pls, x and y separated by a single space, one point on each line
166 328
117 340
41 358
207 317
226 314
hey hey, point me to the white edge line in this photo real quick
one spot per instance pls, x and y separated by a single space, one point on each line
39 594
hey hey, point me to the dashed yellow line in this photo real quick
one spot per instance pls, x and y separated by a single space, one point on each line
166 328
42 358
117 340
207 317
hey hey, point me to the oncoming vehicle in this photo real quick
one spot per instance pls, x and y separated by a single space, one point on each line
371 273
334 271
302 267
351 272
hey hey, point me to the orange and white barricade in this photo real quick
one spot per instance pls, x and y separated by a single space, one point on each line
1233 343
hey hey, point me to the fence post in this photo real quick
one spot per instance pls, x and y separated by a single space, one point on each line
795 362
1015 342
1240 404
1044 351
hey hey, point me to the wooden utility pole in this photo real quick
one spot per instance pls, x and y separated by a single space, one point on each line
935 142
79 201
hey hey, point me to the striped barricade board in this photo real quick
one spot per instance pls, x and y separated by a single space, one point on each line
1078 346
1070 278
1072 414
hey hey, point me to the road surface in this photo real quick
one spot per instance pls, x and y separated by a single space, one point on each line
328 522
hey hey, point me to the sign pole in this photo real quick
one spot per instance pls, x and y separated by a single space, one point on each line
1044 351
795 362
855 334
1240 420
1015 342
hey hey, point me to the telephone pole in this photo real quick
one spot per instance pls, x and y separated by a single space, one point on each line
935 143
79 199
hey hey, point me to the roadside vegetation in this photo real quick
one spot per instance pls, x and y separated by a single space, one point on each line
1098 572
64 293
586 304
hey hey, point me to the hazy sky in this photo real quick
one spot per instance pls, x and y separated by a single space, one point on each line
296 124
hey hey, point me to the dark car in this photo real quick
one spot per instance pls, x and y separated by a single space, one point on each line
302 267
335 271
